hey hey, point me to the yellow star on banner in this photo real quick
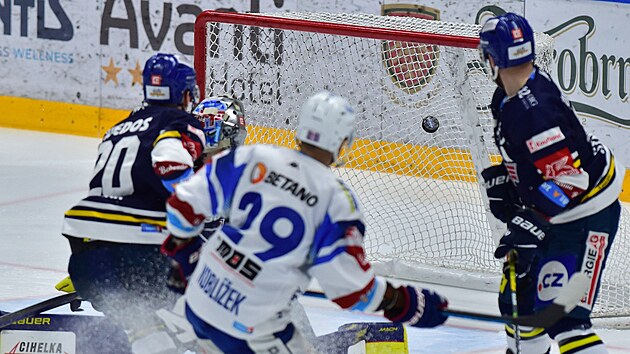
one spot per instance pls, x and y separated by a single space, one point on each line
111 71
136 74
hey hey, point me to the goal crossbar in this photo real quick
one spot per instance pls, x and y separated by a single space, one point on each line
301 25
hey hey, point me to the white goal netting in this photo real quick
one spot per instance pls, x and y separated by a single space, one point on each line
425 210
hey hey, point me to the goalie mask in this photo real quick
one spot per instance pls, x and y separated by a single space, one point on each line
508 39
223 120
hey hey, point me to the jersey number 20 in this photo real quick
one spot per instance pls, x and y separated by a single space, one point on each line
116 161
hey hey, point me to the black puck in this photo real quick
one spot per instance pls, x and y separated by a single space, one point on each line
430 124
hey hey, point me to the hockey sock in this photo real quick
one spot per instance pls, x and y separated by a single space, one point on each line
582 341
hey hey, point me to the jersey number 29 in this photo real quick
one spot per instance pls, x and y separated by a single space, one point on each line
281 245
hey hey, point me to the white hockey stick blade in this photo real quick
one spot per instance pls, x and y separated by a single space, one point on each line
566 301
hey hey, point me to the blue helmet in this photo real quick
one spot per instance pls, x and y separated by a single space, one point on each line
508 39
166 78
223 120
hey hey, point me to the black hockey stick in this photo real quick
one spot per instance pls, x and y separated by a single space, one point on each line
566 301
37 308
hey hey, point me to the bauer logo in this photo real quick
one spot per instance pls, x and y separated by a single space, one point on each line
411 66
37 342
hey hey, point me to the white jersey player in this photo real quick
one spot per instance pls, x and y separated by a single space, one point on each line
291 219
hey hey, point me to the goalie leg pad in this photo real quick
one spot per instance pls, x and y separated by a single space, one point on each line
373 338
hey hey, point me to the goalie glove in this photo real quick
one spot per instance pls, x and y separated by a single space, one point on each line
501 192
416 307
184 255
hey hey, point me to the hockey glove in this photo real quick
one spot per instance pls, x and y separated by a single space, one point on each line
422 308
526 231
184 254
501 192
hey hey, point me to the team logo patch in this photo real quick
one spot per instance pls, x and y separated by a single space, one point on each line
560 163
411 66
544 139
592 264
258 173
517 34
156 80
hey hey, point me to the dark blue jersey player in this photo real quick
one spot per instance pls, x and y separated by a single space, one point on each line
116 231
560 201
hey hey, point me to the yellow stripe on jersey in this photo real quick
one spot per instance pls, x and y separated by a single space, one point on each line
114 217
604 183
166 135
579 343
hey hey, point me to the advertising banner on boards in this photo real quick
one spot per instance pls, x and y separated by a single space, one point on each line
592 56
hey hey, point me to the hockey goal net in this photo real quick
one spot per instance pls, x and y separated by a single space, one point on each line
425 208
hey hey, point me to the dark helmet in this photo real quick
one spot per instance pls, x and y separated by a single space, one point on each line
508 39
165 79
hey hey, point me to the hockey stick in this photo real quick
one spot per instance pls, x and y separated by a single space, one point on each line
37 308
566 301
511 258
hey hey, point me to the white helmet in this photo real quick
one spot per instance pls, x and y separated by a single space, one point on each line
325 121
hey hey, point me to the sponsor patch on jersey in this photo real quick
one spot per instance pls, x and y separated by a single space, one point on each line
552 276
243 328
592 263
150 228
554 193
258 173
544 139
560 163
520 51
170 169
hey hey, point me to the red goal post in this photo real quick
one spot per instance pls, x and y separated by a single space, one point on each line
427 217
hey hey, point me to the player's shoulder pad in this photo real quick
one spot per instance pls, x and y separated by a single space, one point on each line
344 203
